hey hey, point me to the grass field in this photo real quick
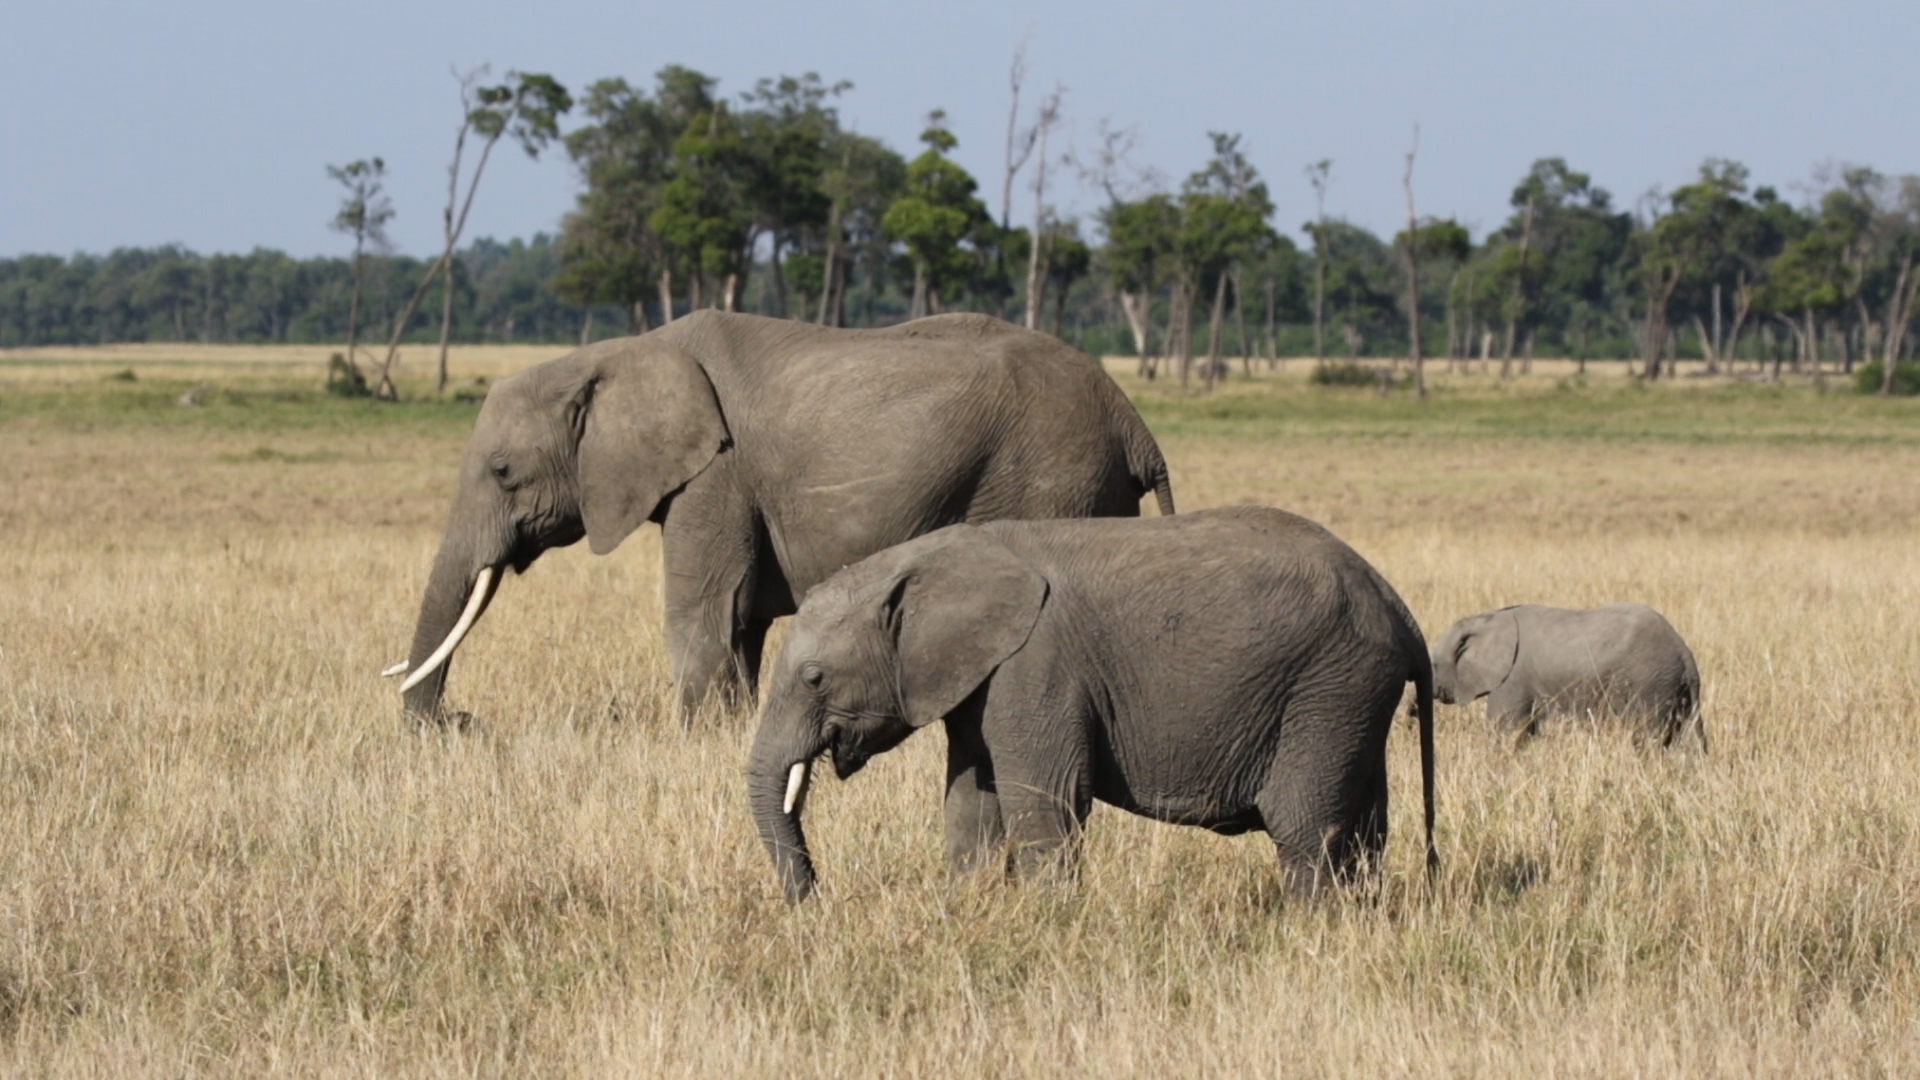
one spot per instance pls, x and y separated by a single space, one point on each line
222 854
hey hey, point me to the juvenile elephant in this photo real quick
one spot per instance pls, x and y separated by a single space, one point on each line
1232 669
771 453
1622 661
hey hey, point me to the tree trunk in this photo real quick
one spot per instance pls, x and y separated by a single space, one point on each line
1414 358
1657 321
1813 344
918 308
666 296
1706 342
728 295
780 295
1134 309
1713 355
1453 346
1240 324
1516 307
830 277
1899 309
1213 331
446 328
1273 335
1036 251
1184 344
1320 293
353 308
586 327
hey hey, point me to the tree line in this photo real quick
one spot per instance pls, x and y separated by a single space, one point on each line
764 201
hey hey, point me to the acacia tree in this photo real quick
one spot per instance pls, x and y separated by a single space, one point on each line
1224 221
866 182
789 132
623 154
705 215
363 215
1698 223
935 213
527 108
1141 237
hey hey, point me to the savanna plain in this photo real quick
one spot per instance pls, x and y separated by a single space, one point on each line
222 853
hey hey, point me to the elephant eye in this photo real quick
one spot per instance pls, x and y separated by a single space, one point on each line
499 468
813 676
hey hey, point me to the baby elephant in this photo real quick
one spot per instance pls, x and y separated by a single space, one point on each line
1232 669
1621 661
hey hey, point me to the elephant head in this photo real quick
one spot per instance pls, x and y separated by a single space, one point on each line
591 444
1476 656
876 652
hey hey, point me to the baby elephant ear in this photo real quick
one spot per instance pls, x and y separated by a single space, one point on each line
1487 653
959 608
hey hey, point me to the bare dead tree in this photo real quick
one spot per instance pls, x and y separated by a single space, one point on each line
1019 143
1036 251
1413 275
1319 174
527 108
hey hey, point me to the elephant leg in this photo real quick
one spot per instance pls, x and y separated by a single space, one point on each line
1324 803
975 831
750 652
1045 795
1690 734
1513 714
710 558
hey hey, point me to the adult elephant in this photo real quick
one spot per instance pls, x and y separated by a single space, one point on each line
772 453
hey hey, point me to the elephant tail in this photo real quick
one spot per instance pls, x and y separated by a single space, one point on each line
1688 728
1423 703
1163 491
1149 468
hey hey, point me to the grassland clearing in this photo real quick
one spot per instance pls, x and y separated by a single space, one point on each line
222 854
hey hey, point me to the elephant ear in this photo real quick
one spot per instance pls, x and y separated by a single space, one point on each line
648 422
959 607
1486 654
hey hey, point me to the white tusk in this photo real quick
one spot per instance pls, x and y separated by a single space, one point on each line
482 592
395 669
796 786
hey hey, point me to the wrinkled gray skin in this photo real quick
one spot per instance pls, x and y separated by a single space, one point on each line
772 453
1621 662
1232 669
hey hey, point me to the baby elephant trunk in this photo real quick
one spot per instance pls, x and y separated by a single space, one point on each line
777 778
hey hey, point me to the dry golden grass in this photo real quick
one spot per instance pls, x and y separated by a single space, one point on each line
222 854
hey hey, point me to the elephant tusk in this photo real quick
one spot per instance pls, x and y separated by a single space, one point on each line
396 669
482 592
796 786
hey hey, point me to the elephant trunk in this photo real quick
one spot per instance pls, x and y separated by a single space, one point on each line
1442 661
778 773
457 593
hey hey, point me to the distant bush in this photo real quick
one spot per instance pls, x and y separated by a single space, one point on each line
123 375
1906 378
1345 373
345 380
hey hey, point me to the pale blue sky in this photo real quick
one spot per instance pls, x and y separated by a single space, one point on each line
209 122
